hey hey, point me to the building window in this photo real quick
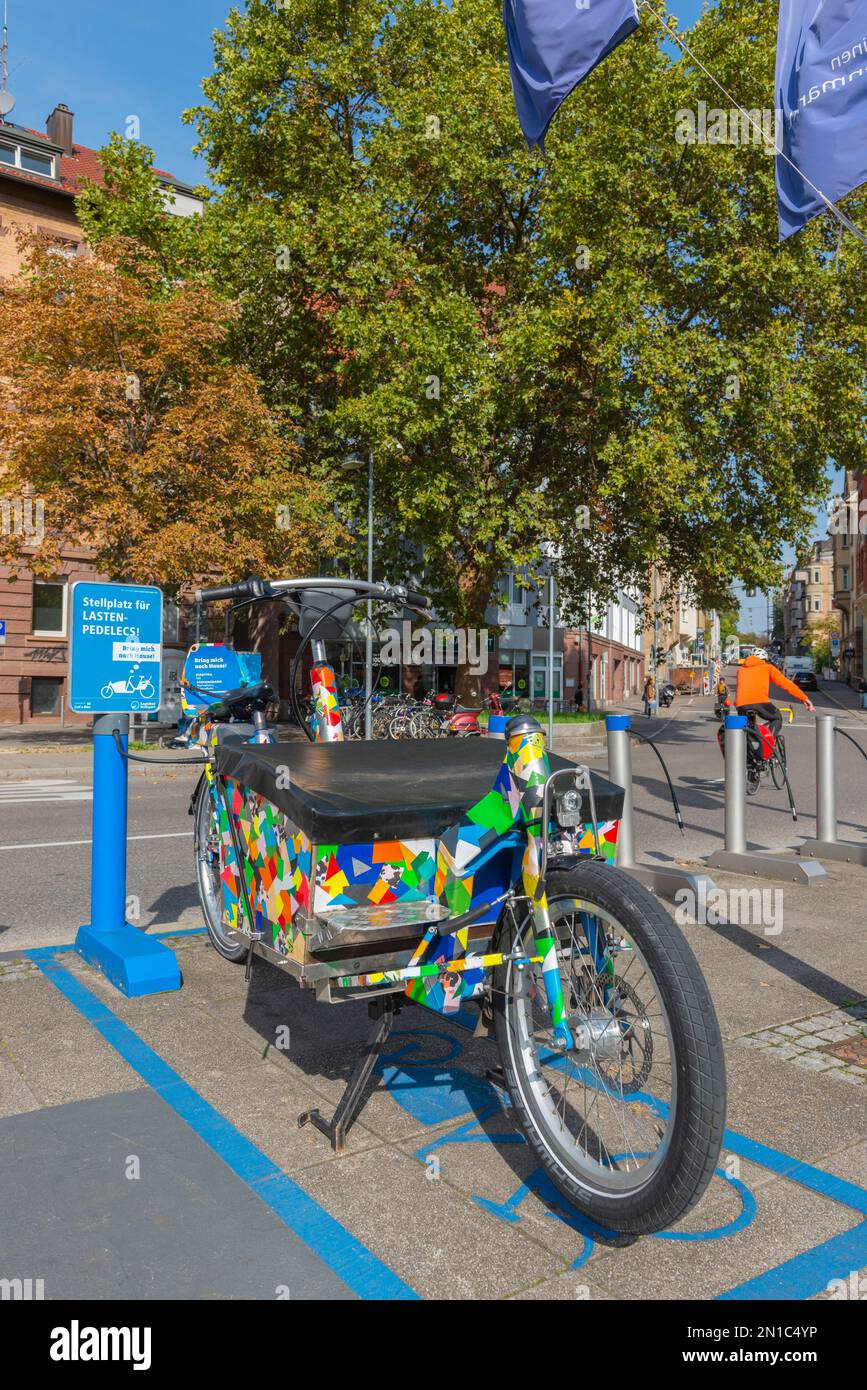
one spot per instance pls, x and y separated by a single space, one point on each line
45 696
66 246
49 608
817 578
514 673
38 164
845 578
32 161
540 677
817 605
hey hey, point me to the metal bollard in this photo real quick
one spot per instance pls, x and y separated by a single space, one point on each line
826 782
736 783
620 772
736 857
665 881
826 845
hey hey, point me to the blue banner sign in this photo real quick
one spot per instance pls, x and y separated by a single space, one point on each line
821 84
2 631
553 45
115 641
210 670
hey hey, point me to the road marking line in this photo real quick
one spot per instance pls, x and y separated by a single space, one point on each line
60 844
42 789
358 1267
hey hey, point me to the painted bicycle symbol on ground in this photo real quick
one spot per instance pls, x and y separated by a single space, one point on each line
438 1090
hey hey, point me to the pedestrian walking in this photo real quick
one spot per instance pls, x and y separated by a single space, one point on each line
862 691
649 696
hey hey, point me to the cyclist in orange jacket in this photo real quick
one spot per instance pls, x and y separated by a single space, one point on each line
752 696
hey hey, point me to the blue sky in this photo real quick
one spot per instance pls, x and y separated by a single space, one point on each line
110 59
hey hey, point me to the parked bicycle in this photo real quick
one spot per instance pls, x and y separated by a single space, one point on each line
466 872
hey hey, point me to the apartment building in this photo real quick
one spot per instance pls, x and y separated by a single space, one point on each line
859 569
676 631
606 660
843 532
808 594
41 172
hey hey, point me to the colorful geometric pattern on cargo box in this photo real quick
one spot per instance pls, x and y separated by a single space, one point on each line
278 857
387 871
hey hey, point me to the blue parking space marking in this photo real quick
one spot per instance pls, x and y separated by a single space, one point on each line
809 1273
434 1091
825 1184
357 1266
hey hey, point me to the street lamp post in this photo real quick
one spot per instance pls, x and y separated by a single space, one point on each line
351 465
551 653
368 645
551 553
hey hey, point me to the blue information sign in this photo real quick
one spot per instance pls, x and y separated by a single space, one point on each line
115 653
210 670
2 630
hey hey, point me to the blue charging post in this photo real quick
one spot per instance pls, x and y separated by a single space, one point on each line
116 630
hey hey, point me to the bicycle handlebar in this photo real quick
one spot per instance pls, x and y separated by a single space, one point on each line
252 589
246 589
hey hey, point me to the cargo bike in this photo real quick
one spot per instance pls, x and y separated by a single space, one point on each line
458 875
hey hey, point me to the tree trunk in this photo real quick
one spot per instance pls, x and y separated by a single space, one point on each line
476 588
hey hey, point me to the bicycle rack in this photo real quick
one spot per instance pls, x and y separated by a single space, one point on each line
736 858
826 844
664 880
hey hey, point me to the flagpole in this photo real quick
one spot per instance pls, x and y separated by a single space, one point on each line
831 207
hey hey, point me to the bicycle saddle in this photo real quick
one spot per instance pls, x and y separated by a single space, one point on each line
245 697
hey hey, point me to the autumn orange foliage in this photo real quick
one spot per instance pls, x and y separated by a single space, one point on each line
124 414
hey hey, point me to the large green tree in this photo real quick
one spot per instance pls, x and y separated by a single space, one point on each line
611 328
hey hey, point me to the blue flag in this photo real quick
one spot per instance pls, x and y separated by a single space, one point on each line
553 45
821 87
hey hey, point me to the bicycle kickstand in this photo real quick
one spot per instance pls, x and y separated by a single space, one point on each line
382 1012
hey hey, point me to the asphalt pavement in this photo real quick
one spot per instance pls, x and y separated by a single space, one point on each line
45 817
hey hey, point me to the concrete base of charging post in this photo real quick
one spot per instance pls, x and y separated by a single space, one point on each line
843 850
135 964
664 880
736 858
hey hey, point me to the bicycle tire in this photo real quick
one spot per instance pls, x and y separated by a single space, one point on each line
206 842
778 764
695 1118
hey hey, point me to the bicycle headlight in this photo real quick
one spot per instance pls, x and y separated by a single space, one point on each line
568 809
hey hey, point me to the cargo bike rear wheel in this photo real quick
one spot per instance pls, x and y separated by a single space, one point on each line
629 1123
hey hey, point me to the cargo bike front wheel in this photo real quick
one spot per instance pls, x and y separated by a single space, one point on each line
628 1122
